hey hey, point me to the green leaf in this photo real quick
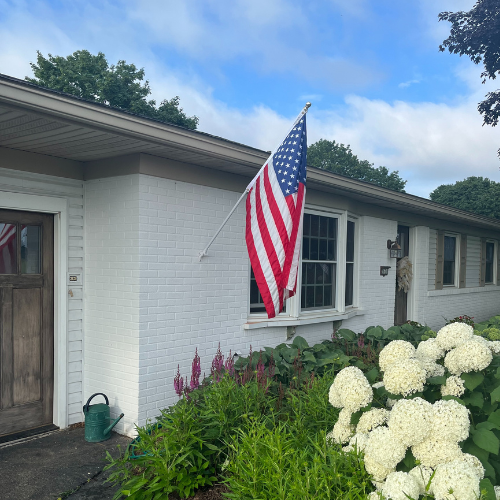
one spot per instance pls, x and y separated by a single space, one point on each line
355 417
486 425
300 343
487 490
458 400
472 380
495 395
308 356
470 447
436 380
486 440
475 399
347 334
495 418
372 375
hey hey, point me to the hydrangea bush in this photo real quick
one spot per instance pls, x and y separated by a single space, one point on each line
432 426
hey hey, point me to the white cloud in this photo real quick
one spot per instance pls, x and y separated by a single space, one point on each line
404 85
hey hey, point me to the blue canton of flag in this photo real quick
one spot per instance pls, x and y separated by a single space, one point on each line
290 160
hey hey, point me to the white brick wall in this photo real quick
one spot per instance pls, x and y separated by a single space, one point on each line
113 279
46 185
186 304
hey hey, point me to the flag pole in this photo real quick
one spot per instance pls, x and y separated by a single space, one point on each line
203 253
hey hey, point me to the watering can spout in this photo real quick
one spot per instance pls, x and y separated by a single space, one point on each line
108 429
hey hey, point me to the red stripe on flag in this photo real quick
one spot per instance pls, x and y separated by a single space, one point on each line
255 262
268 244
277 216
293 238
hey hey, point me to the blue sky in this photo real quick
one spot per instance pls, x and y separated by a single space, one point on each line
371 69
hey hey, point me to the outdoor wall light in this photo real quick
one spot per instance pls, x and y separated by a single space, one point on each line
384 270
394 249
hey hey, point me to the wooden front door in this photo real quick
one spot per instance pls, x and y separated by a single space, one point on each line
26 320
401 305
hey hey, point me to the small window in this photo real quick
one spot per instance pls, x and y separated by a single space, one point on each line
8 248
450 246
349 274
319 261
490 261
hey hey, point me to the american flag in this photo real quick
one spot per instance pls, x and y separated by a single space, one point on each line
7 248
275 209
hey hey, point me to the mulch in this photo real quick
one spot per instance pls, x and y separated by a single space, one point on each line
210 493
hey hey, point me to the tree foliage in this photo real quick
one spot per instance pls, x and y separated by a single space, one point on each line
91 77
339 159
474 194
476 34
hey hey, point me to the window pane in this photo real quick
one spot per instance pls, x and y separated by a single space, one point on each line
489 273
309 272
30 249
323 253
305 248
349 283
448 273
490 251
449 248
309 296
315 225
314 249
350 241
307 225
318 281
323 227
8 248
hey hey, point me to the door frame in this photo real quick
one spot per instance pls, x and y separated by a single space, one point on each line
59 207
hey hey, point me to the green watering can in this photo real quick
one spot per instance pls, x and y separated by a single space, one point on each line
97 426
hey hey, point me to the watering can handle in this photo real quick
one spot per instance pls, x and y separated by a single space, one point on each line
86 407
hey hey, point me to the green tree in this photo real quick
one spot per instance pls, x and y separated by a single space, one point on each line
339 159
91 77
474 194
476 34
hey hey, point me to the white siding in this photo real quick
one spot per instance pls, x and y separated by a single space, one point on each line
30 183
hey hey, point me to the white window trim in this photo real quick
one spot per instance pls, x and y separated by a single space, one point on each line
456 280
294 316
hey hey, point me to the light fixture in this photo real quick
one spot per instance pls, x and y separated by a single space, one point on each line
384 270
394 249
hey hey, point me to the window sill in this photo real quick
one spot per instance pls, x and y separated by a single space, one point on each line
305 319
459 291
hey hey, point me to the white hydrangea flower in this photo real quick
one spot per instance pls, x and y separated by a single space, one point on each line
342 430
334 396
432 369
358 442
450 421
467 357
497 492
350 389
474 462
376 469
384 448
454 387
432 452
494 346
410 420
454 334
405 377
375 495
397 350
372 419
400 486
378 484
390 402
455 480
429 349
377 385
422 475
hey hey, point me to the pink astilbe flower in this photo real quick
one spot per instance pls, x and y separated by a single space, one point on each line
229 364
261 372
178 383
217 364
271 370
361 341
195 371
